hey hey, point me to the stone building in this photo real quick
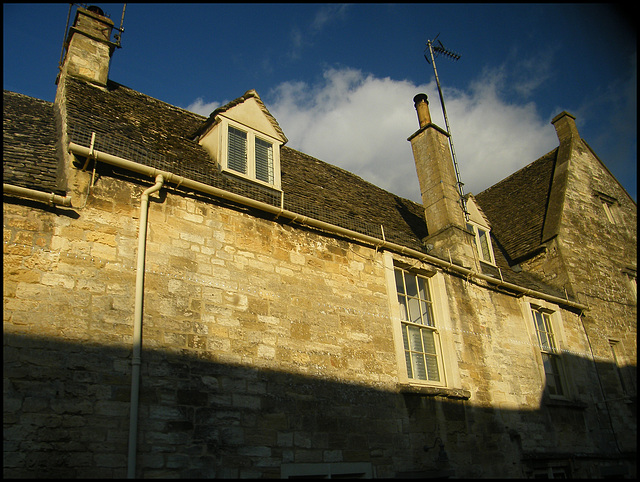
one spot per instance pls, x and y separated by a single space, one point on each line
189 297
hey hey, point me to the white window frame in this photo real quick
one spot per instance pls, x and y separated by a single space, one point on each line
553 349
251 138
447 362
475 229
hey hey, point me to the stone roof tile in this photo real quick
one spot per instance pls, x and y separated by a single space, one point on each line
516 207
29 143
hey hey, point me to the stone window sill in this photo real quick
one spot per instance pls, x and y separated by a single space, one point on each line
455 393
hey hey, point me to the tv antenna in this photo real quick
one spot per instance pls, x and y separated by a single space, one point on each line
438 48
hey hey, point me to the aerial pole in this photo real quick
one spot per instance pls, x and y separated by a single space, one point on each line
439 48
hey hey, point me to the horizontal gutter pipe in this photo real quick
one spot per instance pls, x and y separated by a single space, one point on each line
49 198
198 186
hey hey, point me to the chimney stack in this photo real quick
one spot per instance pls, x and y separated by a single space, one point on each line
443 213
89 47
569 140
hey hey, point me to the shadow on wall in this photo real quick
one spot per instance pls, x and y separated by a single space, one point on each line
66 414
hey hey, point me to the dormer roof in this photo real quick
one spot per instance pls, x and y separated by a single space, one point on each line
244 110
476 214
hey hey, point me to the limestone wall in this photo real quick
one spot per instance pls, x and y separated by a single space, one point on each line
264 344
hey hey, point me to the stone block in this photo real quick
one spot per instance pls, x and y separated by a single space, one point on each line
259 451
110 460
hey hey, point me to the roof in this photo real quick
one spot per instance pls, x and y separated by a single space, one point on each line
29 143
517 225
151 132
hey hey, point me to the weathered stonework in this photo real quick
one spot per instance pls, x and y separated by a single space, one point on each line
264 343
272 347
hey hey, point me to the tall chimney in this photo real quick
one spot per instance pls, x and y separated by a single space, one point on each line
443 213
88 46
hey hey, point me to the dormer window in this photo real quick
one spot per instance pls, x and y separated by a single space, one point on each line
244 139
479 226
482 242
248 154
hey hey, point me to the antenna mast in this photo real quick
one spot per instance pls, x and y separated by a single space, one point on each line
439 48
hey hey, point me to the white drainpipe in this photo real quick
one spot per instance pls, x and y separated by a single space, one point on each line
137 327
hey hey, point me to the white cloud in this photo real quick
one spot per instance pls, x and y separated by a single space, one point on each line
361 123
200 107
326 15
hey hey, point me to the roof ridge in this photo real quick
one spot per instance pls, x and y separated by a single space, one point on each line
6 91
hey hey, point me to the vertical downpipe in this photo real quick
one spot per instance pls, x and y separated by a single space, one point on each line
137 327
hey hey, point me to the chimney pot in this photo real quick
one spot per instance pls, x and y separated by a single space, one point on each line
96 9
421 103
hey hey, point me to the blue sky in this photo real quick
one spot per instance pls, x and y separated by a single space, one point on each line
340 78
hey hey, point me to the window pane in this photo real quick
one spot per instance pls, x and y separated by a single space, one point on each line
402 301
415 338
407 353
414 311
428 338
552 343
399 281
405 338
432 368
552 374
429 342
412 288
237 158
544 341
484 244
418 365
264 161
407 356
427 316
541 329
423 289
539 321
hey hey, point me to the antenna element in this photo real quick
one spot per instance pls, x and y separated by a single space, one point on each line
439 49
